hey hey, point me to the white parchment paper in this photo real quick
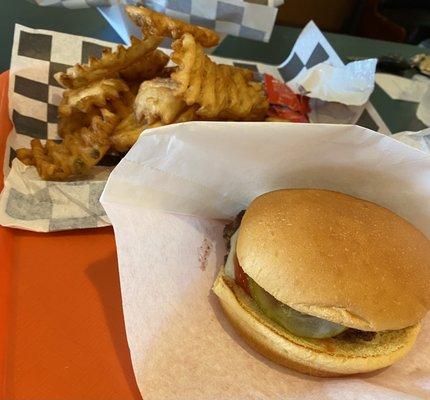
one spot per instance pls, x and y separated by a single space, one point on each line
166 199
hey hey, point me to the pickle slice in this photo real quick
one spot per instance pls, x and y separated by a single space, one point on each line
297 323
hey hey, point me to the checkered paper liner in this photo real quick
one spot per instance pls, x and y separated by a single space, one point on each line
27 202
233 17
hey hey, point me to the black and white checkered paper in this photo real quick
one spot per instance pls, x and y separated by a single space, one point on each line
233 17
27 202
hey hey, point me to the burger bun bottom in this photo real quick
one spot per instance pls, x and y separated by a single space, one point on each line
331 357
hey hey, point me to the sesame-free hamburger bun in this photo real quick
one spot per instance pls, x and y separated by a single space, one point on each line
332 256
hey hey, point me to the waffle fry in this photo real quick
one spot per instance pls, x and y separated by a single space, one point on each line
110 101
96 94
156 101
129 129
127 132
157 24
78 152
110 64
75 121
199 79
25 156
146 68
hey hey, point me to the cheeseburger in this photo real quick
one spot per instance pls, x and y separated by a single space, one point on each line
325 283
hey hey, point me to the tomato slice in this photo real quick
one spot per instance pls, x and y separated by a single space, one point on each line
240 277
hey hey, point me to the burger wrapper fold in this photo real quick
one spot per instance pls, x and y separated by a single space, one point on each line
168 200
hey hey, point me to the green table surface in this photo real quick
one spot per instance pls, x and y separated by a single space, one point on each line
398 115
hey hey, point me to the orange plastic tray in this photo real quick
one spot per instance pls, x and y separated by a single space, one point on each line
62 333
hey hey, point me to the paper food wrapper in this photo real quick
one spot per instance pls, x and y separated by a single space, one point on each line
166 200
420 140
233 17
416 90
423 110
27 202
